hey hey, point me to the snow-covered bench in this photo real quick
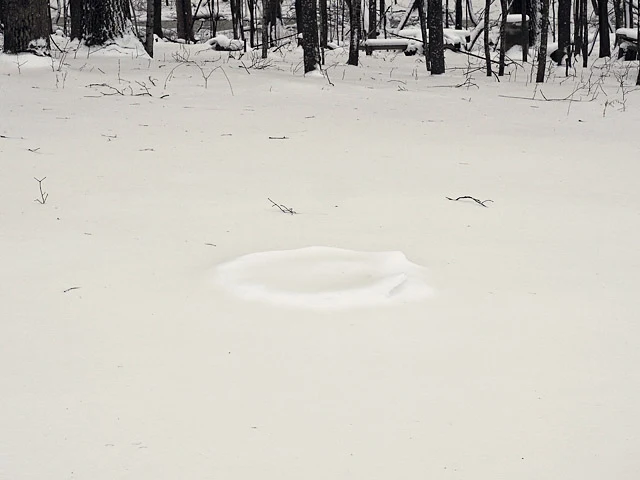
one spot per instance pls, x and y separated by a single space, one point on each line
627 40
409 39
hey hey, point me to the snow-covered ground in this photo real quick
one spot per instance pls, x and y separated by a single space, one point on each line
145 334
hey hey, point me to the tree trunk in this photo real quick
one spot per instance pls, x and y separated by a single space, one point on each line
185 20
425 35
310 34
27 27
504 7
603 23
2 10
564 25
104 20
585 34
617 10
354 23
383 17
544 37
524 31
458 14
487 50
77 19
436 40
157 18
324 24
265 28
148 33
372 19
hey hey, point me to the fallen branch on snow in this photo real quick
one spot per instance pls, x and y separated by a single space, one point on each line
480 202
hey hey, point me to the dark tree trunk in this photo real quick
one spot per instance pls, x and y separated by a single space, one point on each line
504 7
617 10
585 34
148 33
185 20
265 27
298 7
27 27
544 37
372 19
603 23
383 17
458 14
77 19
524 31
354 23
436 40
324 24
157 18
423 30
2 9
252 22
104 20
577 27
310 34
487 49
564 25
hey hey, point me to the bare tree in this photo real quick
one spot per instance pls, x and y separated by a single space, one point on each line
423 29
619 16
544 37
148 34
524 31
372 19
157 18
77 19
27 26
2 10
436 40
564 26
309 34
354 23
265 26
603 24
458 14
487 50
184 20
324 23
504 7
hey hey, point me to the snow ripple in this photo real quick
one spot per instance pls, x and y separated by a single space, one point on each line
324 278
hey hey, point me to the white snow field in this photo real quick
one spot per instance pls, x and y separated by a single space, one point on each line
161 319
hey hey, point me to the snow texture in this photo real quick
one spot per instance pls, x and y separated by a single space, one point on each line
324 278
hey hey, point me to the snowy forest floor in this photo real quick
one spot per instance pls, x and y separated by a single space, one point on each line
123 354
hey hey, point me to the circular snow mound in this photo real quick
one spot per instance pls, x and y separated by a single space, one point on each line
324 278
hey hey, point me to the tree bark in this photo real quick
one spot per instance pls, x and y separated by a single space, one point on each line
436 40
148 33
564 25
504 6
487 50
383 17
104 20
585 34
354 23
157 18
544 37
185 20
324 24
617 10
27 27
603 24
425 34
310 34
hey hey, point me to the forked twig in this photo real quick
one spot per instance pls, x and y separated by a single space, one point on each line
283 208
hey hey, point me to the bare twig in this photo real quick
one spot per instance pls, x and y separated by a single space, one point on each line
43 195
479 202
283 208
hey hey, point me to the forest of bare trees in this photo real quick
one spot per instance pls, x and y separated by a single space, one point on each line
359 24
